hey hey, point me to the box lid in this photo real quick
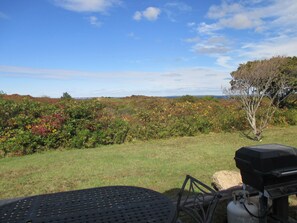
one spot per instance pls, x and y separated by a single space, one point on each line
266 151
266 159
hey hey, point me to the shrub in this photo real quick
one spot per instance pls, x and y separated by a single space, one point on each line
229 119
115 133
291 116
80 139
280 118
187 98
21 142
210 98
28 125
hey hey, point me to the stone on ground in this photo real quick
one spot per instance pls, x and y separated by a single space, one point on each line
226 179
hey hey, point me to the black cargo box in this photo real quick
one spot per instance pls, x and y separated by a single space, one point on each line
268 164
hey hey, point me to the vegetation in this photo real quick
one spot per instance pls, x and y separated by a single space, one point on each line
288 74
29 125
157 164
2 92
261 87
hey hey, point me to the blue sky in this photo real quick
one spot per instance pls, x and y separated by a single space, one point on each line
93 48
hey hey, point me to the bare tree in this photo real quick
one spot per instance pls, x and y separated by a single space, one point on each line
251 85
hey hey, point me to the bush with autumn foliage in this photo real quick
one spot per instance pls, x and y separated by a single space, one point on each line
29 125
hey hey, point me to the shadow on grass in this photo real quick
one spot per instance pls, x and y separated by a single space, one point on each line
172 193
248 135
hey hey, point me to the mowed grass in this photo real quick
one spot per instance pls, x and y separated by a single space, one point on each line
159 164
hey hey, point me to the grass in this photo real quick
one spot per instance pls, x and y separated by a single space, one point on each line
159 164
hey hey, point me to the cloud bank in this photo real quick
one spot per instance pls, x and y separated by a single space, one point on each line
87 5
194 80
267 29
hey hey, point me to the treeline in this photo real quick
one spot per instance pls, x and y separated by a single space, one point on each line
29 125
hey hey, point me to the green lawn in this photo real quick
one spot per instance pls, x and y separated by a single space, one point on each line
160 164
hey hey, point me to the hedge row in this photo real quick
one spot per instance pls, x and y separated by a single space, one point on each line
29 125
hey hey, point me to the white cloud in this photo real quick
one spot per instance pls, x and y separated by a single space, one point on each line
214 45
221 40
224 61
282 46
94 21
137 16
236 21
240 21
150 13
223 10
208 28
87 5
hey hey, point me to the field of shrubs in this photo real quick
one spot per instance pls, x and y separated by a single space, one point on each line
29 125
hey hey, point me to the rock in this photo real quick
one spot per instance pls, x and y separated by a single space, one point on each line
226 179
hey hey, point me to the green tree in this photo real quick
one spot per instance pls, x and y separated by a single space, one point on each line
283 83
66 95
2 92
260 86
288 73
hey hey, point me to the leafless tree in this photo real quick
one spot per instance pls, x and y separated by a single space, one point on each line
251 85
